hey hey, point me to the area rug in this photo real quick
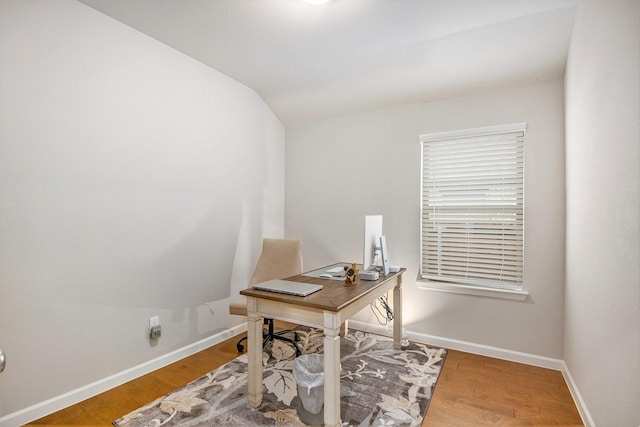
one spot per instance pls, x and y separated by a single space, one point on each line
380 386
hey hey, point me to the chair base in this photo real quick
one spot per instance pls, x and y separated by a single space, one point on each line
270 335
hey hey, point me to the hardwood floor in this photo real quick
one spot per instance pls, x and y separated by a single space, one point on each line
476 390
471 391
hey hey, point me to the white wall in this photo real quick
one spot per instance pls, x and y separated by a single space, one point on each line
602 344
341 169
134 181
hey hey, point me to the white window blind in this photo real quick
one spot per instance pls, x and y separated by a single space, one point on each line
473 206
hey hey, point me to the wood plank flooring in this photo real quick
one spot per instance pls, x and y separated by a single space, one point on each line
472 391
476 390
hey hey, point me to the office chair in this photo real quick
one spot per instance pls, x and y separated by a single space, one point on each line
280 258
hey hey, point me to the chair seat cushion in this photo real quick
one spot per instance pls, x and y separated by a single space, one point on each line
238 307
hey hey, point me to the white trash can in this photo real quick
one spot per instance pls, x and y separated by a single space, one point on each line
308 370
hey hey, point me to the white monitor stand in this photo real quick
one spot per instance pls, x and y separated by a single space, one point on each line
384 255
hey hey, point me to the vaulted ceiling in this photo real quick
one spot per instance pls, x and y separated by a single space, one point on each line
309 62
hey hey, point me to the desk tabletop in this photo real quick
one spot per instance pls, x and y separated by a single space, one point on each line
333 296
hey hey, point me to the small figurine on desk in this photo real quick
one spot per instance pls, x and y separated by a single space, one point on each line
350 273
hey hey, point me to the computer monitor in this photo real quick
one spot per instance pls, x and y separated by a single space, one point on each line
372 234
384 255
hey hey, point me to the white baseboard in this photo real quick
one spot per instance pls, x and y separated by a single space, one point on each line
483 350
587 420
72 397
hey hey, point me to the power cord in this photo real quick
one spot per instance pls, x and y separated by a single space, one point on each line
384 315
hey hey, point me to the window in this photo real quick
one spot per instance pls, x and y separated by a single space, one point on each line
473 207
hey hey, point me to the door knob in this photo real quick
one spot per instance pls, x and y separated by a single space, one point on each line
3 361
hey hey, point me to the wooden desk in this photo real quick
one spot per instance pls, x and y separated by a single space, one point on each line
326 309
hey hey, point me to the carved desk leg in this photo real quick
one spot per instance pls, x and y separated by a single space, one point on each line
331 369
254 343
344 328
397 313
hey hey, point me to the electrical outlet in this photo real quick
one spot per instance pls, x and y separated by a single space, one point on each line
155 331
154 321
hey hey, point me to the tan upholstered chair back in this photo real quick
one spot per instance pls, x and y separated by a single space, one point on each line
280 258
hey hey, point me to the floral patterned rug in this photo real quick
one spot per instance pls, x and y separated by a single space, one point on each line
380 386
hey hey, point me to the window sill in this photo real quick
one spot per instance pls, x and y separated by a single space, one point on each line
509 294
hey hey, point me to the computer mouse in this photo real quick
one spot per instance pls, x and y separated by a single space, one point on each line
326 275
